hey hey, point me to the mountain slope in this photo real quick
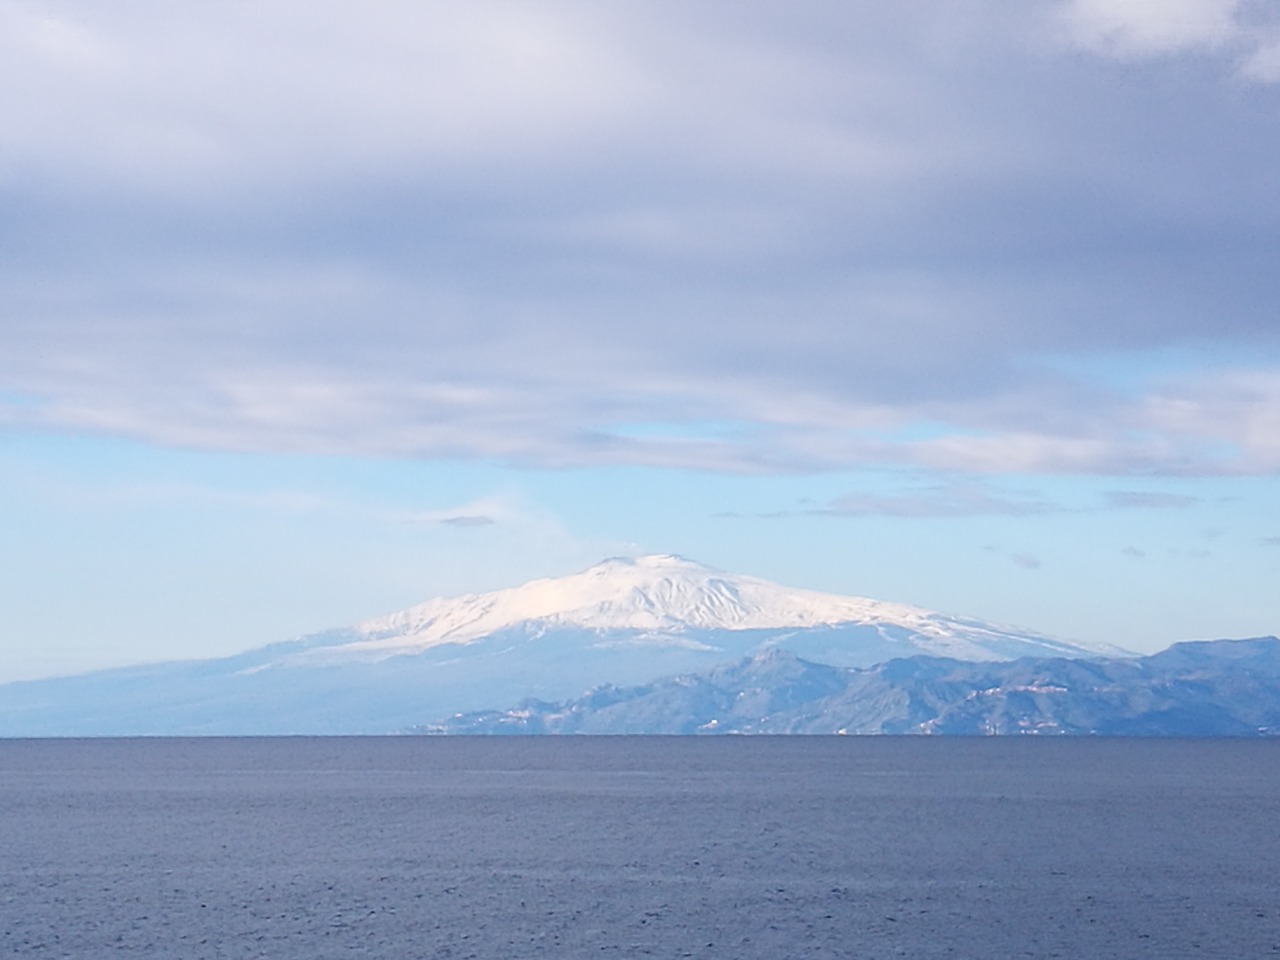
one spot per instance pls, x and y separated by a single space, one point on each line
1219 688
622 621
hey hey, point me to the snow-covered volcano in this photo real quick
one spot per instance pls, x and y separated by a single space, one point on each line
662 592
623 622
665 600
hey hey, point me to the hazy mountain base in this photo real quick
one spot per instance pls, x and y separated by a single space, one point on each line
313 686
1206 688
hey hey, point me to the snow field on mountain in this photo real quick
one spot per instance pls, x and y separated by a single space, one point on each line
665 595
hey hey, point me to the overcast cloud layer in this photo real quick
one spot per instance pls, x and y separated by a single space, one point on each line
991 235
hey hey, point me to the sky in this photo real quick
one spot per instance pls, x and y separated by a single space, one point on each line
313 311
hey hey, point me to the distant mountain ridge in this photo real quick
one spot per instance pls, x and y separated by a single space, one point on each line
625 621
1220 688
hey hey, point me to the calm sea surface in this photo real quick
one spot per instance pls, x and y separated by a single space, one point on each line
626 847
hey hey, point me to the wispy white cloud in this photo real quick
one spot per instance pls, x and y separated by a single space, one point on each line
1246 32
1262 63
1224 423
484 511
481 512
1152 27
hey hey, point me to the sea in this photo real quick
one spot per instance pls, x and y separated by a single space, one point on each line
726 847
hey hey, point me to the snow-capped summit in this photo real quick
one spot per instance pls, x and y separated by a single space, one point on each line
665 598
658 592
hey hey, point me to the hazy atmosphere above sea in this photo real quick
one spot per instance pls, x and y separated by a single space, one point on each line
310 312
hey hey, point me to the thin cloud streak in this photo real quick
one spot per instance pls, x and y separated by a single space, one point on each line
1146 500
954 500
974 498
